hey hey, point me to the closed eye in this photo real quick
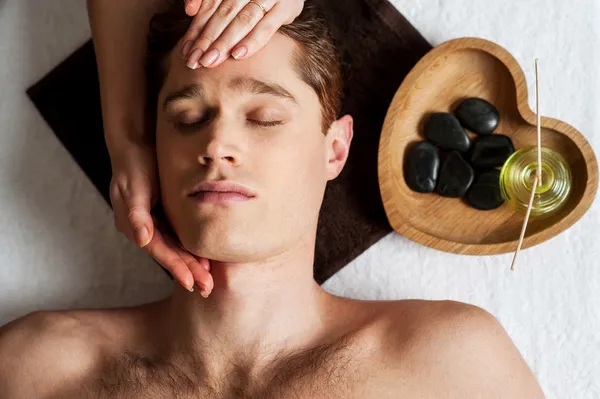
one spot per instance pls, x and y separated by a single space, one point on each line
195 125
189 126
265 123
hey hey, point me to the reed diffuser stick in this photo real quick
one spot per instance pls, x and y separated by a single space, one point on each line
533 188
538 177
538 123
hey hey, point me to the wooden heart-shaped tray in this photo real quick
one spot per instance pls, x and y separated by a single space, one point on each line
451 72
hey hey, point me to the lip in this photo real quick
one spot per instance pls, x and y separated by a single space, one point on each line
220 192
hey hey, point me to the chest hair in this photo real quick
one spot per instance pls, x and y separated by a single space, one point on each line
329 371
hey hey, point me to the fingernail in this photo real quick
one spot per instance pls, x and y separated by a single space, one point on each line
142 236
188 7
205 293
210 57
185 50
193 59
239 52
189 284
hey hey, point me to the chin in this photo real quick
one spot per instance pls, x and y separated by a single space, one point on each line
226 254
232 240
225 246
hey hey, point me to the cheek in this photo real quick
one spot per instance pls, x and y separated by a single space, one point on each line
174 151
173 162
294 166
164 155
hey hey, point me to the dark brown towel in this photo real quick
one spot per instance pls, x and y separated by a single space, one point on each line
378 47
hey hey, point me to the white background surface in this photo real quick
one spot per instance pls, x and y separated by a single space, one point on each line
58 246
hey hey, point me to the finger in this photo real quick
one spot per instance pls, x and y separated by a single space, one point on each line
137 198
201 275
205 263
120 212
132 211
261 34
228 10
190 39
192 7
170 260
240 27
203 279
188 258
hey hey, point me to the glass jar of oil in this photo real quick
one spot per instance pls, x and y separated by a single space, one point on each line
517 176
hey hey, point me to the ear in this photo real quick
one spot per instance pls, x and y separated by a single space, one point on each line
339 137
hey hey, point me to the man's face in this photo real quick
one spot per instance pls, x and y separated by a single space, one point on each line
255 123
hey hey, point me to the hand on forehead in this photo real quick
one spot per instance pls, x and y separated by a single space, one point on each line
271 71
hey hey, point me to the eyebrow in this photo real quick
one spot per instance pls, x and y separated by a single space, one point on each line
240 83
191 91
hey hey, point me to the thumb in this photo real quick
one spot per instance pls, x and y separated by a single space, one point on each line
140 220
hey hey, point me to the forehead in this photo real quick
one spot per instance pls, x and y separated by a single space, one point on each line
274 62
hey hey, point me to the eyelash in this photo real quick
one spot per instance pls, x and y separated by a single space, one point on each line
265 124
197 124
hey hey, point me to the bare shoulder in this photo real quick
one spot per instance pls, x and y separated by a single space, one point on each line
457 350
43 350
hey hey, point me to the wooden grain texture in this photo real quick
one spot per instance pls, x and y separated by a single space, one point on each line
451 72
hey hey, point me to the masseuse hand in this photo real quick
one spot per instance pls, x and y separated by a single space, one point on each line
238 28
133 193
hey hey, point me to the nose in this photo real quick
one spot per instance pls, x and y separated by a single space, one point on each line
220 148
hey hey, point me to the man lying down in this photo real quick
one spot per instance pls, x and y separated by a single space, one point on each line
266 130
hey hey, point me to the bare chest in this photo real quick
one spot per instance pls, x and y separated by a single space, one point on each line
308 387
314 385
325 373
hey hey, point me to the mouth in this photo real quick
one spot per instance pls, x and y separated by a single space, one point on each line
220 192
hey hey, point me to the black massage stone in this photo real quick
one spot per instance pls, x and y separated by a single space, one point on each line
456 176
445 130
422 167
491 151
478 115
485 192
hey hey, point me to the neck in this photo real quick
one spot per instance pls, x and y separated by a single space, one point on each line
255 311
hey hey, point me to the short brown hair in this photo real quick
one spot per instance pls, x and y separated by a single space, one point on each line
316 60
